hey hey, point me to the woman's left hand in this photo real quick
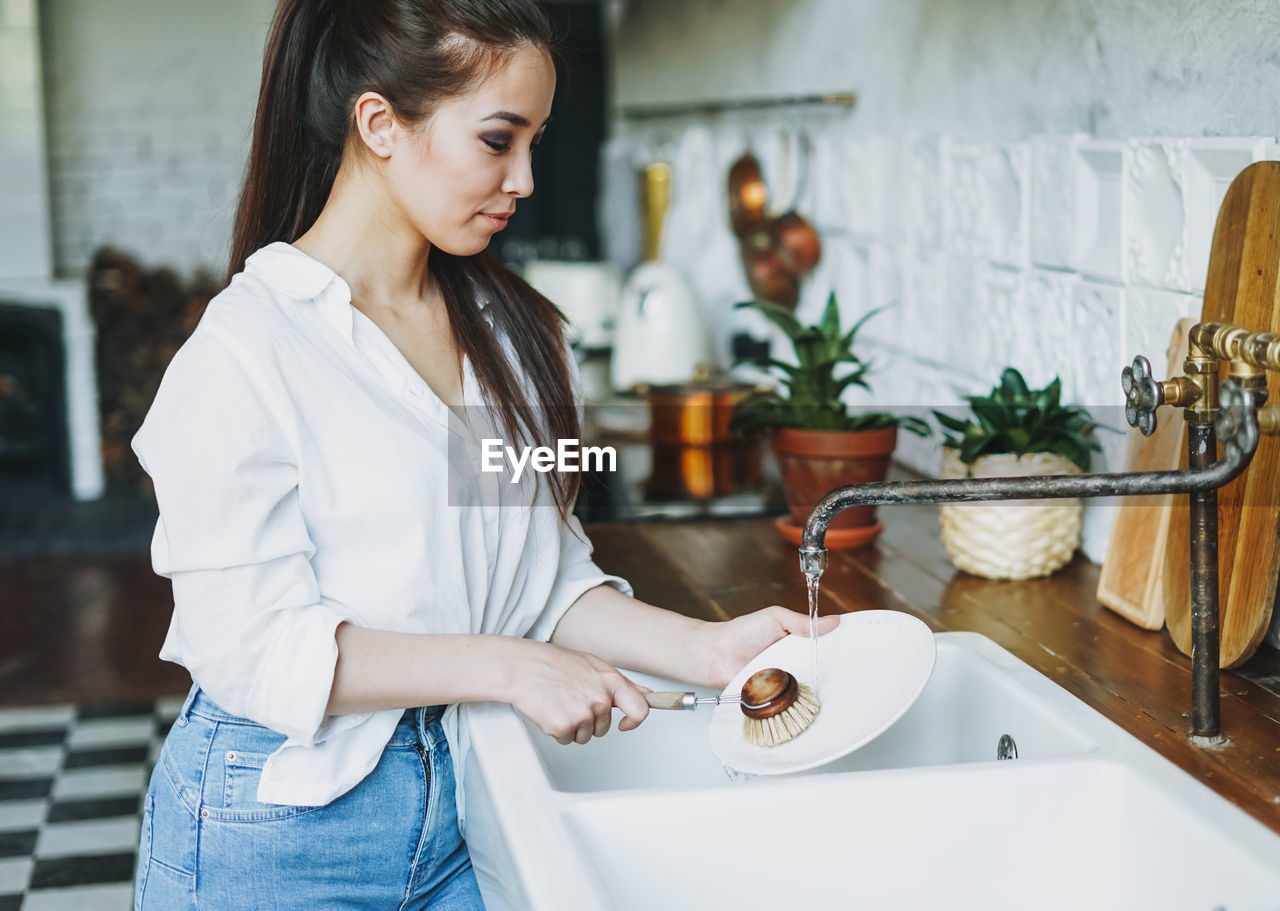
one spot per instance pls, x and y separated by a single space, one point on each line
735 642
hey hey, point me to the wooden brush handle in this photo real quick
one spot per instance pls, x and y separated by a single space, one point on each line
669 700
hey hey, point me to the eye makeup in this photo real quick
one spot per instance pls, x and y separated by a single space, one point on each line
501 142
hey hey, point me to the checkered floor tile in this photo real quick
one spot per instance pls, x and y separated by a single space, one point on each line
71 786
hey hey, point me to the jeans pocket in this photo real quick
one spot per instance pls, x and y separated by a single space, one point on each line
167 889
241 773
240 780
160 886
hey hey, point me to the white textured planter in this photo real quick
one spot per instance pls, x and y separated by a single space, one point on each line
1015 539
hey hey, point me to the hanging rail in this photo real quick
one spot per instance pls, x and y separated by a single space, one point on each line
845 100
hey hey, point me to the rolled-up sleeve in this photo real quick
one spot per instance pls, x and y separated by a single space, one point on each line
249 623
577 574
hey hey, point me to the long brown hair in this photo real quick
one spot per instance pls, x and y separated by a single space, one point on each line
321 55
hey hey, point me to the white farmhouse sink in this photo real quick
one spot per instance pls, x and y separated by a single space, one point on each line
968 704
922 817
1088 834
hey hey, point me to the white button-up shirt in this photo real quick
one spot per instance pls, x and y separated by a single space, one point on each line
307 475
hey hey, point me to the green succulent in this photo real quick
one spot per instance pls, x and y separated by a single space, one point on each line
826 366
1015 419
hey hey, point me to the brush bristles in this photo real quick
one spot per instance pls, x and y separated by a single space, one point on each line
769 732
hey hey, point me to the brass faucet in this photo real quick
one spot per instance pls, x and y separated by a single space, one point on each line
1251 355
1231 413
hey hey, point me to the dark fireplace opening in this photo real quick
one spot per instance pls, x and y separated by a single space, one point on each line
141 316
34 448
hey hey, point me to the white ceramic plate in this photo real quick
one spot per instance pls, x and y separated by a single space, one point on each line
871 668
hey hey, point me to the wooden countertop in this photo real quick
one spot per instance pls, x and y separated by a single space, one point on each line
718 569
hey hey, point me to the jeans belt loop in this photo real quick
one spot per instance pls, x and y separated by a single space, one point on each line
186 706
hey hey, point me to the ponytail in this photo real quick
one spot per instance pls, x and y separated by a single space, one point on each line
292 162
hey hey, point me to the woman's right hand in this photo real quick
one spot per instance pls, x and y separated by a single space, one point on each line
571 695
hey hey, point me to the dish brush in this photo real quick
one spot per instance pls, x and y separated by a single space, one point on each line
776 706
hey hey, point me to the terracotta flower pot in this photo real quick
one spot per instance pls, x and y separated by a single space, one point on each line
814 462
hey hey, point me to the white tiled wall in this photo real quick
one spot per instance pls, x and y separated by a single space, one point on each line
1061 255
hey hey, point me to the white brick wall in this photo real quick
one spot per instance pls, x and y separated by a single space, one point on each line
150 105
24 211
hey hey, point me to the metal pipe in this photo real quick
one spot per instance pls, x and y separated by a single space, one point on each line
1236 423
1202 446
888 493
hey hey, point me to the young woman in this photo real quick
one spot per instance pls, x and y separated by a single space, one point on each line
343 578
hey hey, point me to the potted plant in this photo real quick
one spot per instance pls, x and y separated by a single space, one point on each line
1015 431
819 444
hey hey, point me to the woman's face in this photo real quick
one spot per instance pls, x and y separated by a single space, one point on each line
463 169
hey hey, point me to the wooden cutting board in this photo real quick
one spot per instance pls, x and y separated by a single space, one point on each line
1132 579
1243 287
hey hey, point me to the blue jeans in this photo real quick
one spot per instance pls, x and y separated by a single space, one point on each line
391 842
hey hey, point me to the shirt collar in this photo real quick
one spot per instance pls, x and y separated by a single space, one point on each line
296 275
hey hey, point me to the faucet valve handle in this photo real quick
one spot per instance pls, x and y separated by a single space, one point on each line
1142 395
1236 423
